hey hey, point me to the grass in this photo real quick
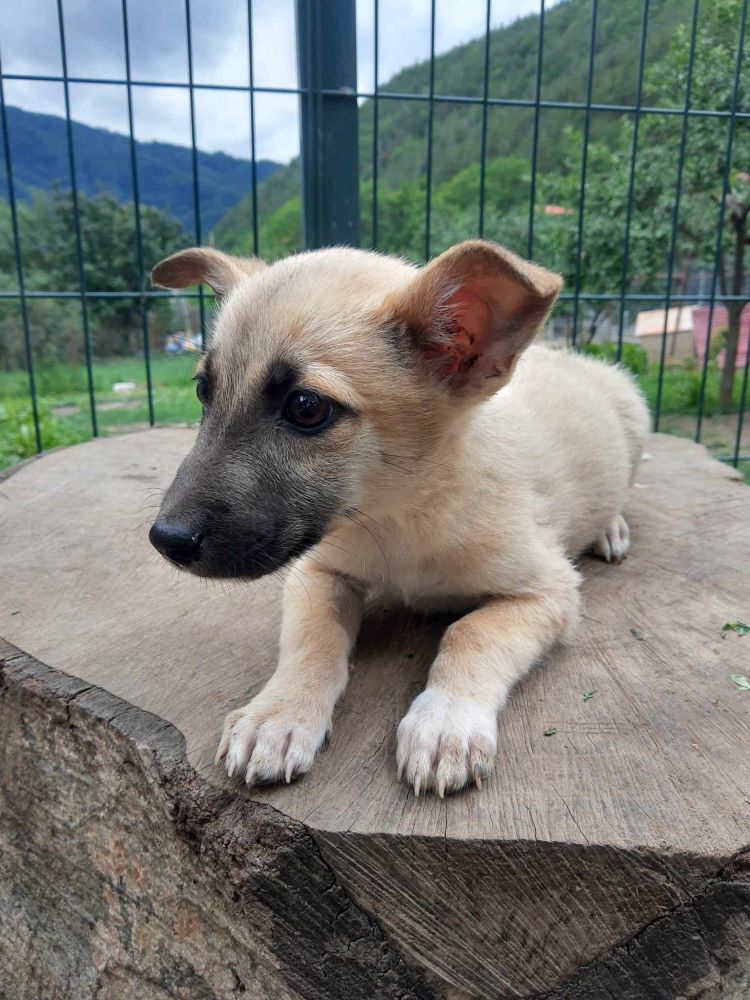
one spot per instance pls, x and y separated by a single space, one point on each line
65 410
64 407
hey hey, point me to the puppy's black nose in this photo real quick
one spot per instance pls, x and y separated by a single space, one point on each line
176 541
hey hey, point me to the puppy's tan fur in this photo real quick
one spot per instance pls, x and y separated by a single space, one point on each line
476 471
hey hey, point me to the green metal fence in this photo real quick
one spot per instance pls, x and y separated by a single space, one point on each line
329 103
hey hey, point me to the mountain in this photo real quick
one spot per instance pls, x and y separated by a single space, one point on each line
402 124
39 150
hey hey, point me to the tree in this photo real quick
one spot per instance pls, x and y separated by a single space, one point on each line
703 200
707 194
47 231
595 259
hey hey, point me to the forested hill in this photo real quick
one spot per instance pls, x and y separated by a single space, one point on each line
402 125
39 148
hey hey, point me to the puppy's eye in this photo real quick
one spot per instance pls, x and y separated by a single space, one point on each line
307 411
201 389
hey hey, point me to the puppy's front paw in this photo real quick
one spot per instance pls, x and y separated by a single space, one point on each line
613 544
272 739
445 742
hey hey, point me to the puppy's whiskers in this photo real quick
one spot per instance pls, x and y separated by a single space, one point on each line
341 548
369 517
351 515
407 472
298 577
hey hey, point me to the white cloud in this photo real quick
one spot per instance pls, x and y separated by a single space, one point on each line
95 48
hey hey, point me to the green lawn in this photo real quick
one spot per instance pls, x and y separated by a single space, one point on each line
65 409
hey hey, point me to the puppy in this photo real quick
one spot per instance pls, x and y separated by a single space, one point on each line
391 430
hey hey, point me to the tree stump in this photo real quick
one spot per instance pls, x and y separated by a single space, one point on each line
607 857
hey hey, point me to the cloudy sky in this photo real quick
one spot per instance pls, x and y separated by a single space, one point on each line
29 40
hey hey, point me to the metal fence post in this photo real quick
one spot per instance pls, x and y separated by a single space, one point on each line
327 59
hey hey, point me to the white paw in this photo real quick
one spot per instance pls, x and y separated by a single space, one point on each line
614 542
272 739
445 742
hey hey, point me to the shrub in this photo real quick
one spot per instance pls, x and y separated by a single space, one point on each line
633 357
17 437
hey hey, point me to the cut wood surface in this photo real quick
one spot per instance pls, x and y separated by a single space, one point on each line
608 858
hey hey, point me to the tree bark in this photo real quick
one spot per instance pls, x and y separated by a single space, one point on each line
734 313
731 345
608 860
592 327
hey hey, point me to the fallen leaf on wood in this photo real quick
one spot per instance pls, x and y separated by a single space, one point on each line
739 627
642 633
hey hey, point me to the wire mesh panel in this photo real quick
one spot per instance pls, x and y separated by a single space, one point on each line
606 140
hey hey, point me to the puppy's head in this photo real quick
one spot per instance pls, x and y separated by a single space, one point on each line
328 376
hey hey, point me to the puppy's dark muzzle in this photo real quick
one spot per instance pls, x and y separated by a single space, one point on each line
176 541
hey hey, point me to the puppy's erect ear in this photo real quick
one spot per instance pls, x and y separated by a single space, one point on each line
203 265
474 309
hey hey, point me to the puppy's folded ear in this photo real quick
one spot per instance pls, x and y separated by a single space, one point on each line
204 265
473 310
